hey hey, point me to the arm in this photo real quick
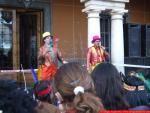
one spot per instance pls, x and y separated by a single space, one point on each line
59 56
106 54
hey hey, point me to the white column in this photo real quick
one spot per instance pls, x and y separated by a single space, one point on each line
93 25
117 40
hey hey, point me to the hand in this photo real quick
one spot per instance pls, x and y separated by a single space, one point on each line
65 62
103 47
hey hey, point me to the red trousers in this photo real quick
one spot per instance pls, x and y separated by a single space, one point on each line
48 72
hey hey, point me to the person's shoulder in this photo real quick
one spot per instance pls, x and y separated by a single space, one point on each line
90 48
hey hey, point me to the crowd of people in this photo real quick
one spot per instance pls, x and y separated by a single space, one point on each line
72 88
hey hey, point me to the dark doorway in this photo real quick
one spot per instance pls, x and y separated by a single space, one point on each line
28 40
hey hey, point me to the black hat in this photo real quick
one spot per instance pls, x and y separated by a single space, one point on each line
132 80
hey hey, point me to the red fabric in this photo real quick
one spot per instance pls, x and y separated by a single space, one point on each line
45 91
48 72
124 111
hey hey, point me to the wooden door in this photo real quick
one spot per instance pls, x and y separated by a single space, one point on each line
30 28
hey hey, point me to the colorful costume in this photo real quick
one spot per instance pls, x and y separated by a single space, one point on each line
95 56
49 59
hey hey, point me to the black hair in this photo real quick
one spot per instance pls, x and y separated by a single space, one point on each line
14 99
109 86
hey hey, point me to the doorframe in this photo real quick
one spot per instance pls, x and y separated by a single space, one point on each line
39 30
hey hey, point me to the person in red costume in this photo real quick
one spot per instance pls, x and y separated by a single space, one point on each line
96 54
49 57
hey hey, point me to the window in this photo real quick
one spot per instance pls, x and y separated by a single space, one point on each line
6 39
105 22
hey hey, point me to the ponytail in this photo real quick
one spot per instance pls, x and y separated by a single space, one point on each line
76 87
87 103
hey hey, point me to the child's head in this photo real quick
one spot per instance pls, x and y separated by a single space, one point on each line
14 99
43 91
109 86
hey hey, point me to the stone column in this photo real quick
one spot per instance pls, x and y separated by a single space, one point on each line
93 25
117 40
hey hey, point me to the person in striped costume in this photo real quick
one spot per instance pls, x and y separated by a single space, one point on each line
96 54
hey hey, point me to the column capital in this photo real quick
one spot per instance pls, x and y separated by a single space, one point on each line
93 14
118 14
118 11
83 0
92 10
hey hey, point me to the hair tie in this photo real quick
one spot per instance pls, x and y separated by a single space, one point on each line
78 89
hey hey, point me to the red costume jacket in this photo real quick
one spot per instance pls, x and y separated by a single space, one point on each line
95 55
